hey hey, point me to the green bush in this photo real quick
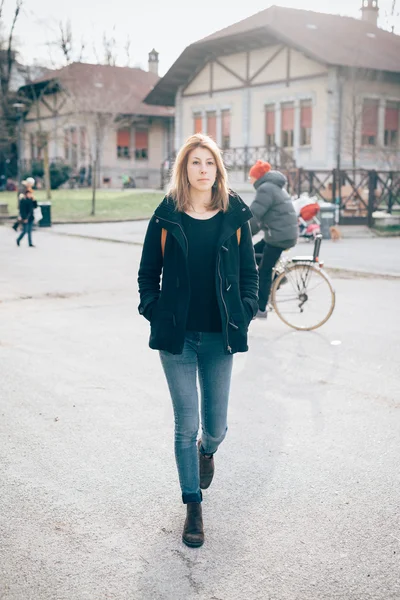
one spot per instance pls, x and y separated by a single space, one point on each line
35 171
59 174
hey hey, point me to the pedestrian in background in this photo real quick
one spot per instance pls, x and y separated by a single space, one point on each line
199 239
27 204
274 214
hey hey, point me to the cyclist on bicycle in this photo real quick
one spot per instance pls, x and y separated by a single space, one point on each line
273 212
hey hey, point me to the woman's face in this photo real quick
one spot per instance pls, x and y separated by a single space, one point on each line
201 169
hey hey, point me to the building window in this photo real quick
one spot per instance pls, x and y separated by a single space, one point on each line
212 125
392 114
123 143
226 129
73 145
141 145
270 125
369 133
288 125
198 123
305 122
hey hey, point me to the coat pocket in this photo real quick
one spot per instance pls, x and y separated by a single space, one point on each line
162 326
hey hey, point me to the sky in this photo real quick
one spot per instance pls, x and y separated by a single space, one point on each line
168 26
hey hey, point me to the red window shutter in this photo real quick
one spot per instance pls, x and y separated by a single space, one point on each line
288 118
270 121
226 123
198 124
370 118
392 119
123 138
306 116
212 125
141 140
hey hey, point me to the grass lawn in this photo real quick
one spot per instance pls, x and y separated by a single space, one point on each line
76 205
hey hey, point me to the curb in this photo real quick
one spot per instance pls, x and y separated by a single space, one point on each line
339 271
96 238
352 274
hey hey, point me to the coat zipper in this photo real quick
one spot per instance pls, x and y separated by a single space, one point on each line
226 309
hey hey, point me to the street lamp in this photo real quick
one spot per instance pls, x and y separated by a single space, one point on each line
19 107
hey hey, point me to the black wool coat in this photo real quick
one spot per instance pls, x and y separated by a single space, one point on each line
236 278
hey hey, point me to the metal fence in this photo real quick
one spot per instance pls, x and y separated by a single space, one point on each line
238 161
358 193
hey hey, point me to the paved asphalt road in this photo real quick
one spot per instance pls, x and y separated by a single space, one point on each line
305 502
364 254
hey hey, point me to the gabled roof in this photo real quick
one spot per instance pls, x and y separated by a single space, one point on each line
329 39
104 88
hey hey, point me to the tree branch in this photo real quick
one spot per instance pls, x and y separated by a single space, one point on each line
10 57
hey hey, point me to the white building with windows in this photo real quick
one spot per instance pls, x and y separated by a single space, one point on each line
322 89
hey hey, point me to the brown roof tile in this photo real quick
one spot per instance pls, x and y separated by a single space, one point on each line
329 39
107 88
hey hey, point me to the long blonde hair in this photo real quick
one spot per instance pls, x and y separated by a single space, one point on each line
179 188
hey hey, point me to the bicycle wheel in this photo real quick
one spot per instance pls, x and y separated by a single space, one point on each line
303 296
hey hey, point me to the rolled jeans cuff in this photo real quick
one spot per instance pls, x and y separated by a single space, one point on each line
186 498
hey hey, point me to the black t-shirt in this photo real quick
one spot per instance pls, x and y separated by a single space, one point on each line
202 236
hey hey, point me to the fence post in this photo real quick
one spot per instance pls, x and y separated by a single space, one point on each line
333 186
245 163
310 181
299 178
338 194
371 196
390 202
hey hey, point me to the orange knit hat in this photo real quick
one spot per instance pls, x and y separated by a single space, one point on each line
259 169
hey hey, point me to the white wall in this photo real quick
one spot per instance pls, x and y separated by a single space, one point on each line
308 80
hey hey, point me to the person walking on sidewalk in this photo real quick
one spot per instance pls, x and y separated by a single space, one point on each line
273 213
27 205
199 239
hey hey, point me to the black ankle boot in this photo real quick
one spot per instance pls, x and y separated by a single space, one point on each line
193 533
206 465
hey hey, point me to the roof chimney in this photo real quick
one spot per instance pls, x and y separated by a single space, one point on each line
153 62
370 11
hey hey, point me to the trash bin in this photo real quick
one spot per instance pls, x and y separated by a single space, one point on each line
46 212
327 217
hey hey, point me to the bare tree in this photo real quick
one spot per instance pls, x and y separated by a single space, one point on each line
127 49
390 156
97 106
356 86
7 62
70 50
43 136
66 41
353 120
390 19
110 49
